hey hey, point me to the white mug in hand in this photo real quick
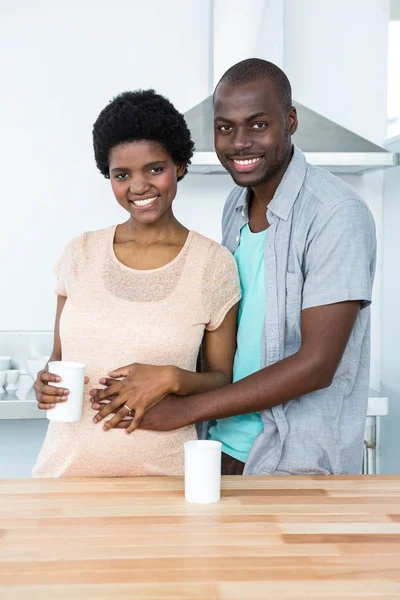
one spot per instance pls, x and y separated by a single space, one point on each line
72 378
202 471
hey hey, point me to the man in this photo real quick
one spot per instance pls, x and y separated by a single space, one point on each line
305 247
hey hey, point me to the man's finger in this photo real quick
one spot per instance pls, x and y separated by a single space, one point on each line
121 414
121 372
123 424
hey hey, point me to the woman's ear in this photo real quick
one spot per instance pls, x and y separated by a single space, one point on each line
180 170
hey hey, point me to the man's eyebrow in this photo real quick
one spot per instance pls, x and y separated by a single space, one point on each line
250 118
256 115
119 170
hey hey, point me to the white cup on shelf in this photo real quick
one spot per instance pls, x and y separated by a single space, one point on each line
72 378
3 379
12 378
202 471
5 363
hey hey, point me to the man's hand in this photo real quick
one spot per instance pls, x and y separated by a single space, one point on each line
169 414
143 387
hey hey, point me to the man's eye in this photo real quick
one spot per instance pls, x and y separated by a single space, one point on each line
259 126
122 176
156 170
224 127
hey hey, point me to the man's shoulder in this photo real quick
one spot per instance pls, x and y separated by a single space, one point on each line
324 191
235 199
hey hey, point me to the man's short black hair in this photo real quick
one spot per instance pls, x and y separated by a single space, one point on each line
141 115
252 69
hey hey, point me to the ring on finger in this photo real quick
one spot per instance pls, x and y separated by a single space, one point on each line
129 409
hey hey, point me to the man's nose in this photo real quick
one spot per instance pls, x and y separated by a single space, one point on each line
242 140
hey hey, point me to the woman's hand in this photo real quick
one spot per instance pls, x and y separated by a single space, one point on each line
48 396
143 387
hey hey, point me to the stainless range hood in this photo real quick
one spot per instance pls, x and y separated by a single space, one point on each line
324 142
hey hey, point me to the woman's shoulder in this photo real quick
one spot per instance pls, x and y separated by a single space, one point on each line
88 240
213 249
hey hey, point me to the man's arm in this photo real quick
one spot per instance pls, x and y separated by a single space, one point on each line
325 332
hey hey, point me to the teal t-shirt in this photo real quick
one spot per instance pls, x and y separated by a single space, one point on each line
237 434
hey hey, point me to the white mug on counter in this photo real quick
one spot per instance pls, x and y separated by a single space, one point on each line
72 378
202 471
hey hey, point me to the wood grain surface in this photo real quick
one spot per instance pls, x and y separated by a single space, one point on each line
269 537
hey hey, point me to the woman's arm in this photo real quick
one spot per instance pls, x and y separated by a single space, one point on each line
47 395
219 351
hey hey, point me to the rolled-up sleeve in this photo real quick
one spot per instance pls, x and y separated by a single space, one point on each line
341 256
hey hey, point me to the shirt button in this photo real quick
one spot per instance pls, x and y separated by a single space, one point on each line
242 213
238 239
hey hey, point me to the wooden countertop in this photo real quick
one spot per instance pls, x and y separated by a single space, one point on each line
269 537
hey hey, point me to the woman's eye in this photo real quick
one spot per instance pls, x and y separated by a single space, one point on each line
259 126
156 170
122 176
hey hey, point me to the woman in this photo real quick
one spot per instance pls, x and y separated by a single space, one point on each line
140 294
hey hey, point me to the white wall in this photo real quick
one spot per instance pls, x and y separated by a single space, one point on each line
61 62
335 55
390 459
241 33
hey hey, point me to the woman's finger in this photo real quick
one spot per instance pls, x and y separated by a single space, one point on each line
45 377
42 406
52 390
46 399
108 381
135 421
113 390
111 407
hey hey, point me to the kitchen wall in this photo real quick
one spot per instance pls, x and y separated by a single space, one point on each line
63 61
390 458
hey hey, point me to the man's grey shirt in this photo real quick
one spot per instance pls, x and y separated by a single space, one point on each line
320 249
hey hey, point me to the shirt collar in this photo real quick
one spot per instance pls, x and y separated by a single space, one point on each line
286 192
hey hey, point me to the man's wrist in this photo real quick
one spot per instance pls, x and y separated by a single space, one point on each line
173 380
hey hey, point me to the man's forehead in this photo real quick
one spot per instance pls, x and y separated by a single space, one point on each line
245 99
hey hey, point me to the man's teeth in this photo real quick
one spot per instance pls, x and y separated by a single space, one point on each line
144 202
247 161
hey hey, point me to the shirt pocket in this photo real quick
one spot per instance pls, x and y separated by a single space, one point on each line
294 292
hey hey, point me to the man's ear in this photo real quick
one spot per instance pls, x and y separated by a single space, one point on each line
293 120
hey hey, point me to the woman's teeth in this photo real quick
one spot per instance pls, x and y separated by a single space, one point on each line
144 202
247 161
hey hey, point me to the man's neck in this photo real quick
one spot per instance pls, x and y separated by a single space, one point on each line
259 197
264 192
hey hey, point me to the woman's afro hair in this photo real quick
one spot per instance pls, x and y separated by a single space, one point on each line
137 116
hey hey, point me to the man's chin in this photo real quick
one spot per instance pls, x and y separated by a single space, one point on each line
248 182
